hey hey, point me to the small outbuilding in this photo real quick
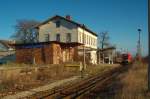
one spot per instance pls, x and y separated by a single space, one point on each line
106 55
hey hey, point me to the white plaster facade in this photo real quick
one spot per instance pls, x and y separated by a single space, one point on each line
78 34
51 29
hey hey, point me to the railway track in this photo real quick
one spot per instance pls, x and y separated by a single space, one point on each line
86 86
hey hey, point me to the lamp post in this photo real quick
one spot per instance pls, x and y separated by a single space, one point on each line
139 45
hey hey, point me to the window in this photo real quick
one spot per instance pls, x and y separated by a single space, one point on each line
47 37
79 36
80 39
84 38
68 38
89 40
58 37
92 42
57 24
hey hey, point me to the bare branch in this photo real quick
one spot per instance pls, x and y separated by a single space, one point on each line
25 31
104 39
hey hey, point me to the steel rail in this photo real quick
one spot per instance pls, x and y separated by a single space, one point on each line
75 90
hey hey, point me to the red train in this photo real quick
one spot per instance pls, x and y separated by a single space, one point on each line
126 58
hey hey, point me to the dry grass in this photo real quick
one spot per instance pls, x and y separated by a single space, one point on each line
92 70
28 77
134 83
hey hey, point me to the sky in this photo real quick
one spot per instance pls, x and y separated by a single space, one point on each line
120 18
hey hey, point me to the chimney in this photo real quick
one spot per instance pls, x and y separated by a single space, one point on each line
68 17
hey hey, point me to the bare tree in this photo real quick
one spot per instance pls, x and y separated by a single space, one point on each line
25 32
104 40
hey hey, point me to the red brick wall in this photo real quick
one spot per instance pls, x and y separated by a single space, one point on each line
49 54
56 53
38 55
23 55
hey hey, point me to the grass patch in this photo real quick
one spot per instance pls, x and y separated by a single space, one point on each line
134 83
92 70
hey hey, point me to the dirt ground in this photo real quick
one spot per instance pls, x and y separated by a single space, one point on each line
45 77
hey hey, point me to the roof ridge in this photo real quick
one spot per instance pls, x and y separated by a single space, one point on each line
72 21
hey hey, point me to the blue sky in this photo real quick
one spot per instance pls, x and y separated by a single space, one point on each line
121 18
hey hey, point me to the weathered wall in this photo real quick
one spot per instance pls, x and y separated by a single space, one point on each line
38 55
24 55
90 40
51 29
47 54
56 53
52 53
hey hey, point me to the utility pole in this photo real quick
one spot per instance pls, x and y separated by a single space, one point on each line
139 45
83 67
149 45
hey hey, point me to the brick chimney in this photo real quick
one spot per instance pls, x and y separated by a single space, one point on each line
68 17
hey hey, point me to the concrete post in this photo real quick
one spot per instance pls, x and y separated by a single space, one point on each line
112 61
109 59
103 59
112 58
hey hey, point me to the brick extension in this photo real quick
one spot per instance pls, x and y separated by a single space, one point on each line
46 52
